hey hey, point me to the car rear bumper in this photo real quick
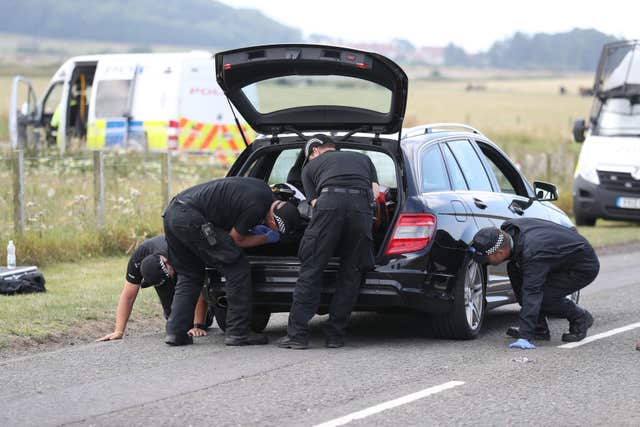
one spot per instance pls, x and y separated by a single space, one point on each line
596 201
383 290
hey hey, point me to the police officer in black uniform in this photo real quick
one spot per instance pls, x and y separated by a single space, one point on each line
207 225
547 262
148 267
340 186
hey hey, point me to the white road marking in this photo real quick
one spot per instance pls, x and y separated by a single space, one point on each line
390 404
601 335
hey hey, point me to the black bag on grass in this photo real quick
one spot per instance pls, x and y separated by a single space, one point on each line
25 284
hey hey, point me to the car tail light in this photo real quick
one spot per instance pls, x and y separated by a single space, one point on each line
412 233
172 135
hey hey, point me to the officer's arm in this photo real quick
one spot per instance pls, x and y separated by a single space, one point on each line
250 241
125 306
534 274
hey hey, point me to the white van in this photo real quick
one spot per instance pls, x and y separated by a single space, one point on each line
164 101
607 177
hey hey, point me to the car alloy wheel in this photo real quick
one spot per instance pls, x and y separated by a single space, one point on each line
474 295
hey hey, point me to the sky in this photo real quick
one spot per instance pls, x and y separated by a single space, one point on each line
473 25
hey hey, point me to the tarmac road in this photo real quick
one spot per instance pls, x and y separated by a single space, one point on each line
387 375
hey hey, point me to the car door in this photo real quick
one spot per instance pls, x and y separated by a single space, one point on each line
488 207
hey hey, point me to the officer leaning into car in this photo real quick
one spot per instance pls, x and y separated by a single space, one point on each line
341 187
207 225
148 267
547 262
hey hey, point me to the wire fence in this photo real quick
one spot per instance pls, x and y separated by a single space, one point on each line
66 201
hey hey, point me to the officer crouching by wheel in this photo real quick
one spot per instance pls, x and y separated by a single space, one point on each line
207 225
547 262
339 186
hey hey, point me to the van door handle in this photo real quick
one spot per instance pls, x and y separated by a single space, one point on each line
479 203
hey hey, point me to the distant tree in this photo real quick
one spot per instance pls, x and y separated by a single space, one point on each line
456 56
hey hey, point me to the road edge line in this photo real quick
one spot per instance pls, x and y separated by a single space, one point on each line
601 335
390 404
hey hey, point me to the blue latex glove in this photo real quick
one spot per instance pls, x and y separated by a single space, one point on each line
522 344
260 229
272 236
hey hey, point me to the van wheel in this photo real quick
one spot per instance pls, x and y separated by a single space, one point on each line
469 305
584 220
259 318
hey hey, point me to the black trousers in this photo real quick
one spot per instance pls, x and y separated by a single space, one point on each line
581 270
165 294
341 224
189 253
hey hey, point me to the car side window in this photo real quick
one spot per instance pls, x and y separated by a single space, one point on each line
508 178
457 178
471 165
432 171
282 166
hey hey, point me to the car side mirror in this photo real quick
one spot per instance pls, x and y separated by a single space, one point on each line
545 192
579 129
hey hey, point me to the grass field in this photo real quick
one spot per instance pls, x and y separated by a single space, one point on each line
78 294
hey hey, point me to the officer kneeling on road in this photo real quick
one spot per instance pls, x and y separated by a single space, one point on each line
547 262
207 225
341 187
148 266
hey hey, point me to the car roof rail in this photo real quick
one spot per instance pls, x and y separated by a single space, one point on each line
437 127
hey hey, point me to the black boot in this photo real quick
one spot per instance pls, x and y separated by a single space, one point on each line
177 340
288 342
578 328
250 339
541 332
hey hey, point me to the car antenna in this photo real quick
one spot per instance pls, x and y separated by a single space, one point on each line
244 138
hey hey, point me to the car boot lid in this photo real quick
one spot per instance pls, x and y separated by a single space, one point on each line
327 88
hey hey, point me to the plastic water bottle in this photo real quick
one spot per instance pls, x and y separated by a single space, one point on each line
11 255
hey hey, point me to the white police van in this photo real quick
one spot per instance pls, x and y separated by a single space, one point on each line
607 176
154 101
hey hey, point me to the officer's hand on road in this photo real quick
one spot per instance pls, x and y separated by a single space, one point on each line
197 332
260 229
522 344
117 335
272 236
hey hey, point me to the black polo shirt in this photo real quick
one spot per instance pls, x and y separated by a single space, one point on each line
346 169
234 202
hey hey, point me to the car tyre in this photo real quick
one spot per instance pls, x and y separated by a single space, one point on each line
583 220
259 318
465 319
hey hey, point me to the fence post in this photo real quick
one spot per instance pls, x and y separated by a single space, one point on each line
98 187
18 192
165 169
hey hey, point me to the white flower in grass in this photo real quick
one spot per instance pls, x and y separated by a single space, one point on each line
135 193
51 192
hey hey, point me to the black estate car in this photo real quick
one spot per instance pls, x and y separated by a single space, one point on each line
440 183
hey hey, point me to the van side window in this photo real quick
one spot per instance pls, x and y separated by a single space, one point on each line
52 99
471 165
112 98
432 171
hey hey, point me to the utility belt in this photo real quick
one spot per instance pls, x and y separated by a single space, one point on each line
346 190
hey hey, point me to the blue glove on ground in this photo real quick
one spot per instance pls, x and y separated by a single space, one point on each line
272 236
522 344
260 229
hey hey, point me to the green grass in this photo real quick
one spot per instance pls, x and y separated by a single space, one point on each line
609 233
77 293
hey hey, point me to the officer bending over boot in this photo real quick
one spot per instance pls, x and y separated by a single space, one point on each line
341 186
547 262
148 267
207 225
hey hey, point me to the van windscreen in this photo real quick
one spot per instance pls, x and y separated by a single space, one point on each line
112 98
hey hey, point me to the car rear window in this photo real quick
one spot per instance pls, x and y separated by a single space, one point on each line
301 91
